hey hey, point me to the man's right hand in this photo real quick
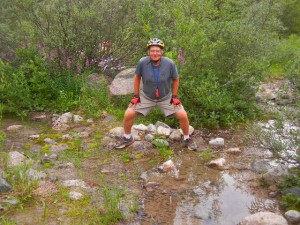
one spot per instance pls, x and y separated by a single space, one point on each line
135 99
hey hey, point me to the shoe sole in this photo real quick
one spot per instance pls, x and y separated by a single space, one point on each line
124 146
192 149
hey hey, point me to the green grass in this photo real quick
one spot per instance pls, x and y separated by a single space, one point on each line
6 221
206 155
22 185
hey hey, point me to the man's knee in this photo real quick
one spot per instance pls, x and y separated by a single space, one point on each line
182 114
129 113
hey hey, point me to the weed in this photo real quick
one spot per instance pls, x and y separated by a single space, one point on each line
291 202
6 221
125 157
76 153
206 155
18 177
45 149
165 152
112 198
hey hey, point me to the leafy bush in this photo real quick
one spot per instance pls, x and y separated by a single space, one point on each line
228 47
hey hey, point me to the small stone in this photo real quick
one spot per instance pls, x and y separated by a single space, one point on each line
50 141
39 118
106 171
217 142
151 128
234 151
149 137
75 195
34 137
89 120
66 137
152 184
163 131
74 183
84 134
4 186
77 119
14 127
167 166
217 163
161 124
176 135
141 127
11 201
191 130
117 132
273 194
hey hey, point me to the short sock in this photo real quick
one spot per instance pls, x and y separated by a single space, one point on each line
186 137
127 136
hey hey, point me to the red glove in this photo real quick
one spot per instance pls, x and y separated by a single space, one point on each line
135 99
175 100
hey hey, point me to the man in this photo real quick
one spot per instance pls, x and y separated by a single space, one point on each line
158 74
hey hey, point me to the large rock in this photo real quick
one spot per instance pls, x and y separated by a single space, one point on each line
293 216
264 218
123 82
16 158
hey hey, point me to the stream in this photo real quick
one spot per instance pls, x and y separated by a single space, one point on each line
192 194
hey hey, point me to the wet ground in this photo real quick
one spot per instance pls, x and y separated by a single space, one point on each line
194 194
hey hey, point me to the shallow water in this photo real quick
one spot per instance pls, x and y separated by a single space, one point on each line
193 194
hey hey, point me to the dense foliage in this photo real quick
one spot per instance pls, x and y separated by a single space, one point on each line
49 47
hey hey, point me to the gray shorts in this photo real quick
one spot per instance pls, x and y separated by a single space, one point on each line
163 104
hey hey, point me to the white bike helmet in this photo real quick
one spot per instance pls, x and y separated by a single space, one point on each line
155 42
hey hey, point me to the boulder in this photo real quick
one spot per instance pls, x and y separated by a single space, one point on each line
16 158
123 82
264 218
293 216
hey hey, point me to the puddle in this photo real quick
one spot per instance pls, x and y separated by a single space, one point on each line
201 195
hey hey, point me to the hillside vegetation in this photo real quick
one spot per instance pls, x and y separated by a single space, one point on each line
49 48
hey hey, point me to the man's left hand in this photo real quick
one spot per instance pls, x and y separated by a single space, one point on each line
175 100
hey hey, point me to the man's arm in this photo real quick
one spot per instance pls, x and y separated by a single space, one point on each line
136 84
175 86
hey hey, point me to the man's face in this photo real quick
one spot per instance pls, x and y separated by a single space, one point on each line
155 53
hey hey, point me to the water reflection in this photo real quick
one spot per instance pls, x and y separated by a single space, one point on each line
222 204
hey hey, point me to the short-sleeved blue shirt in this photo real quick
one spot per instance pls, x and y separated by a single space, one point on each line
147 71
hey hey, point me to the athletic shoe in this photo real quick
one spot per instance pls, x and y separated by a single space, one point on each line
124 142
190 144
